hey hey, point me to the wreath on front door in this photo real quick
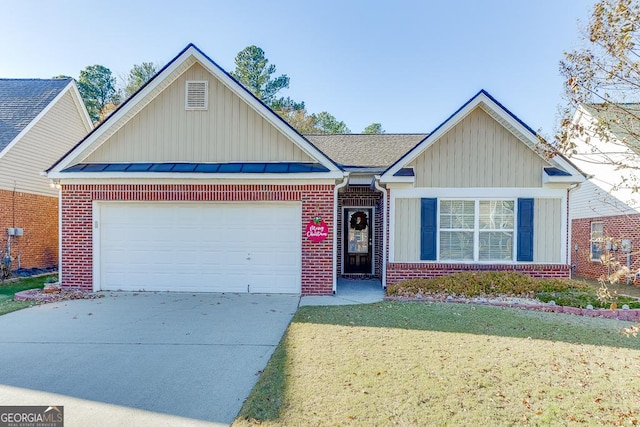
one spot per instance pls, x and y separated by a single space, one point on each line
358 221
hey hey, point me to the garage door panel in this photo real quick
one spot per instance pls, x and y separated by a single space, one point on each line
215 247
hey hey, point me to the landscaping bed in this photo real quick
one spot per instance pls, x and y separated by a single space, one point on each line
511 288
22 292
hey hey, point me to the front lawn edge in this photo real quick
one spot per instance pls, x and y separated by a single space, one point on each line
631 315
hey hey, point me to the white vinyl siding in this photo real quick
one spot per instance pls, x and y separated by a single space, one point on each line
478 152
596 199
407 230
51 136
230 130
547 230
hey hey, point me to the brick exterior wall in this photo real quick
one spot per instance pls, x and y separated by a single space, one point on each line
397 272
616 227
38 216
363 197
77 249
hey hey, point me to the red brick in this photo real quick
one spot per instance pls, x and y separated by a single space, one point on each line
616 227
38 216
77 256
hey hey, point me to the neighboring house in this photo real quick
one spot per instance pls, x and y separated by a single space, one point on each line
39 121
605 210
194 185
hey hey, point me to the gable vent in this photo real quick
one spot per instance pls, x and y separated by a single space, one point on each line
197 95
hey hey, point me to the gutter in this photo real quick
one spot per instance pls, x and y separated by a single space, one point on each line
376 183
344 182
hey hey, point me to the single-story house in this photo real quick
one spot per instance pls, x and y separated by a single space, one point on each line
605 210
40 120
193 184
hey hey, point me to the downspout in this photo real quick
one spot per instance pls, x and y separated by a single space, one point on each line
568 247
344 182
60 235
376 183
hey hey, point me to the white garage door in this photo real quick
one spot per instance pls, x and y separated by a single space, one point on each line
198 247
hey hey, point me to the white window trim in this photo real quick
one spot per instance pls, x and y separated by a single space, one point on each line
592 240
476 232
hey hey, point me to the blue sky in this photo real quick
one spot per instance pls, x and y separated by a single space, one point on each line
406 64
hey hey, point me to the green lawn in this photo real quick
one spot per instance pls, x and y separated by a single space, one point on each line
8 289
437 364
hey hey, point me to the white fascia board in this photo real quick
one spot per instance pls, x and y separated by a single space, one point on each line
399 179
397 185
35 120
274 179
573 179
478 193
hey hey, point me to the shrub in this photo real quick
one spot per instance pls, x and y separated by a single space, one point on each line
581 299
475 284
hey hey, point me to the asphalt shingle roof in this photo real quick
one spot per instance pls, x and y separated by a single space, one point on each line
21 100
378 150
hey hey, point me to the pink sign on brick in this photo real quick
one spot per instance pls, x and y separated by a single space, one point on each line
317 230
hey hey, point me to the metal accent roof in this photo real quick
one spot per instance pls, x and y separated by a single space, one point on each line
556 172
199 167
404 172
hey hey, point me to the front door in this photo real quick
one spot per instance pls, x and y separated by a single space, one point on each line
357 240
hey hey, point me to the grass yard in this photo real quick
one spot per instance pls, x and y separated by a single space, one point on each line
396 363
8 289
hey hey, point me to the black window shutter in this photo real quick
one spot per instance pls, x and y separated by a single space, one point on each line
428 229
525 230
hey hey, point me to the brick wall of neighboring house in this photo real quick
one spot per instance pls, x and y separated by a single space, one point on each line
397 272
616 227
77 253
363 197
38 217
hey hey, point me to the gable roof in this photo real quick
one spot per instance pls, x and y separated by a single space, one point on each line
189 55
365 150
503 116
21 101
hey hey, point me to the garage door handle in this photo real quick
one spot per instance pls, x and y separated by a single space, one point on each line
248 257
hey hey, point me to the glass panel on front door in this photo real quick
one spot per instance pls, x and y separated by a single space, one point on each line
358 235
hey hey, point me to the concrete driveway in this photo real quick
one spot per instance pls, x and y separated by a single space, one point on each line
190 356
